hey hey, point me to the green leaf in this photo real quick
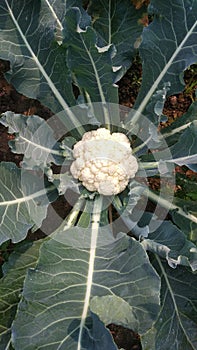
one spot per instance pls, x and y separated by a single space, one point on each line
172 134
94 73
24 256
38 65
168 47
113 309
100 336
176 327
175 129
57 294
34 138
184 218
63 182
58 10
170 243
126 207
184 152
188 226
117 23
23 201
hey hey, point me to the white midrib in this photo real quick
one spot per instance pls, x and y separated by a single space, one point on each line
25 198
161 75
191 159
170 206
175 131
54 15
9 342
42 70
45 149
109 18
95 72
94 237
107 119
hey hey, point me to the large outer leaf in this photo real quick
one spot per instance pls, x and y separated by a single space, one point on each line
168 47
34 138
38 68
173 131
176 327
55 308
169 242
24 257
117 23
188 226
23 202
92 69
58 10
184 152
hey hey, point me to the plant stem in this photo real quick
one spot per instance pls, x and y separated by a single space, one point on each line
117 203
110 216
166 204
149 165
174 131
72 217
8 345
97 208
142 145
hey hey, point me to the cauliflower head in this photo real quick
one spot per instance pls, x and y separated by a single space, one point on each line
104 162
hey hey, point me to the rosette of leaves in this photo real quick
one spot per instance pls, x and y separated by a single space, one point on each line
62 292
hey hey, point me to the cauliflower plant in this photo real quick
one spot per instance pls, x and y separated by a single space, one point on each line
104 161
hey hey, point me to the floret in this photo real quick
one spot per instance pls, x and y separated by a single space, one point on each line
104 161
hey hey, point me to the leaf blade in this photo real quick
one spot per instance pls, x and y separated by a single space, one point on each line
34 138
23 204
117 23
171 50
176 324
70 290
94 74
39 60
24 257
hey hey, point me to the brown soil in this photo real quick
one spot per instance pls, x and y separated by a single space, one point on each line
125 338
129 86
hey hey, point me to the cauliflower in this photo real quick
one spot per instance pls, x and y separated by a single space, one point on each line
104 161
